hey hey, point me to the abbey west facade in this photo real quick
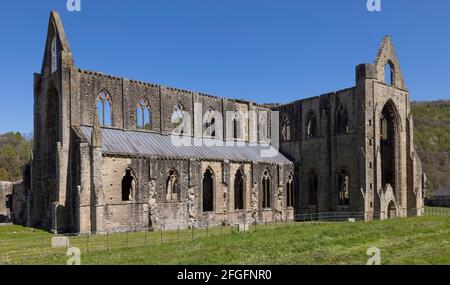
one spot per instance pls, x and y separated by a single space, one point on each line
104 159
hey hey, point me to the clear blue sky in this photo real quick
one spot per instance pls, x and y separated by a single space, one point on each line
261 50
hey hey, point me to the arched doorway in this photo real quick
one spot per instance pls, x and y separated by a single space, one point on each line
388 143
391 210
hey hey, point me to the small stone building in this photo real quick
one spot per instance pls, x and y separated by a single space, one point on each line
114 154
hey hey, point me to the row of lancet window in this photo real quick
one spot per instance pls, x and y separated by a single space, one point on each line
173 189
143 118
341 123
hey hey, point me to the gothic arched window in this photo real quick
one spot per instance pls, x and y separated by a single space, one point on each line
343 184
341 120
289 192
266 190
313 189
177 115
311 126
210 123
388 141
208 191
262 127
286 130
239 187
143 115
236 126
104 105
389 73
172 186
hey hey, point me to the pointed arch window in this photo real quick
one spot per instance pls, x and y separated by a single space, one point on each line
104 107
128 186
236 126
143 115
311 126
313 189
388 145
286 130
208 191
210 123
239 188
289 192
262 126
267 196
172 186
177 116
389 73
341 120
343 183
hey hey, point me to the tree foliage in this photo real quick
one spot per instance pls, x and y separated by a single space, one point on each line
15 150
432 140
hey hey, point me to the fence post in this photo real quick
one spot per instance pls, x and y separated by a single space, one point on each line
207 230
178 233
126 239
87 243
161 231
221 226
107 241
192 232
42 247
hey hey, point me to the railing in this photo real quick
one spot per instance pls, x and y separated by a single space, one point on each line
35 249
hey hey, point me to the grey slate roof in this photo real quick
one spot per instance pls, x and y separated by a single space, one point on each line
125 142
442 192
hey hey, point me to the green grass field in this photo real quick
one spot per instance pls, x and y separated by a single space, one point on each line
423 240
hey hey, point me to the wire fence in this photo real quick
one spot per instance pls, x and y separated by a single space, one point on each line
32 250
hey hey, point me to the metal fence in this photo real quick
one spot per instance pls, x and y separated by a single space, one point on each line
36 249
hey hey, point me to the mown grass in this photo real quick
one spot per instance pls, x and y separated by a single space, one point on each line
423 240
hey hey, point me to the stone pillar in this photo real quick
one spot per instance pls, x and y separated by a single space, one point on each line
97 195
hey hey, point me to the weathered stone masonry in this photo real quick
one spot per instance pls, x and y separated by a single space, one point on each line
351 150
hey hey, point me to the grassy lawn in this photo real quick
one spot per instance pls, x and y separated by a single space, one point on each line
402 241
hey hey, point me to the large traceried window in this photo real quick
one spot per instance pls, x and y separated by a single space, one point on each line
239 186
143 115
208 191
267 196
104 106
388 142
